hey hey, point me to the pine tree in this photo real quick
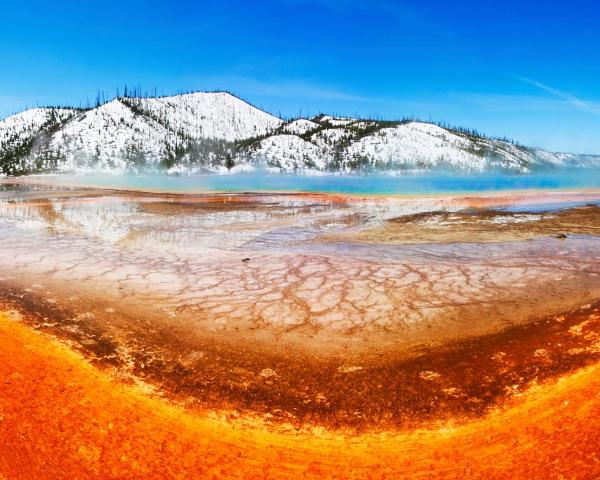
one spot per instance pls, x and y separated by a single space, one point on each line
229 163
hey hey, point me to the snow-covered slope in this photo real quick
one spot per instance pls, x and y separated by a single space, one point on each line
135 134
288 153
209 115
415 144
330 138
218 132
300 126
24 135
29 122
111 136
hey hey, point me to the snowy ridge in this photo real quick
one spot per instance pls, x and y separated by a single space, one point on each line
29 122
420 144
209 115
300 126
287 153
329 138
25 135
111 136
218 132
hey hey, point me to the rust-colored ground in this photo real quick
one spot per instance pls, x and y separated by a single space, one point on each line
62 418
245 336
379 391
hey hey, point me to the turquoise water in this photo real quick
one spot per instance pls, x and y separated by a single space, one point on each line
373 184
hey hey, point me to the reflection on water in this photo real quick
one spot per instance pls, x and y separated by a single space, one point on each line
298 260
146 223
185 224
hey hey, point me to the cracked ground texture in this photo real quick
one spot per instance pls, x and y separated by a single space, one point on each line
298 312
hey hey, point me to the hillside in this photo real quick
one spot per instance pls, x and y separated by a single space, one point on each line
218 132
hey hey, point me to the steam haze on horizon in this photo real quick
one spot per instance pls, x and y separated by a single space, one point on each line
530 71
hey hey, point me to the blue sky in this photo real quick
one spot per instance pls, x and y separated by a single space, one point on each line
527 70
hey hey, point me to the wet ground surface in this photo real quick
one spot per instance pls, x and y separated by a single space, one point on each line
312 310
489 225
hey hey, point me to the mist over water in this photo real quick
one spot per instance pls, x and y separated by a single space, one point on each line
347 184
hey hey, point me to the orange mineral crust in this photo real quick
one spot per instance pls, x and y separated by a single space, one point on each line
62 418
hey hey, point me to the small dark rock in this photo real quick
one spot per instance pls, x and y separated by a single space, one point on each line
245 260
562 236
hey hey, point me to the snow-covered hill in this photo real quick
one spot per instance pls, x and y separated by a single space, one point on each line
111 136
415 144
300 126
344 145
209 115
24 135
217 132
287 153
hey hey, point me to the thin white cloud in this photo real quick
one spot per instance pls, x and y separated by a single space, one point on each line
511 103
571 100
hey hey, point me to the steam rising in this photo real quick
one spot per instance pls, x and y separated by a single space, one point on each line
263 181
